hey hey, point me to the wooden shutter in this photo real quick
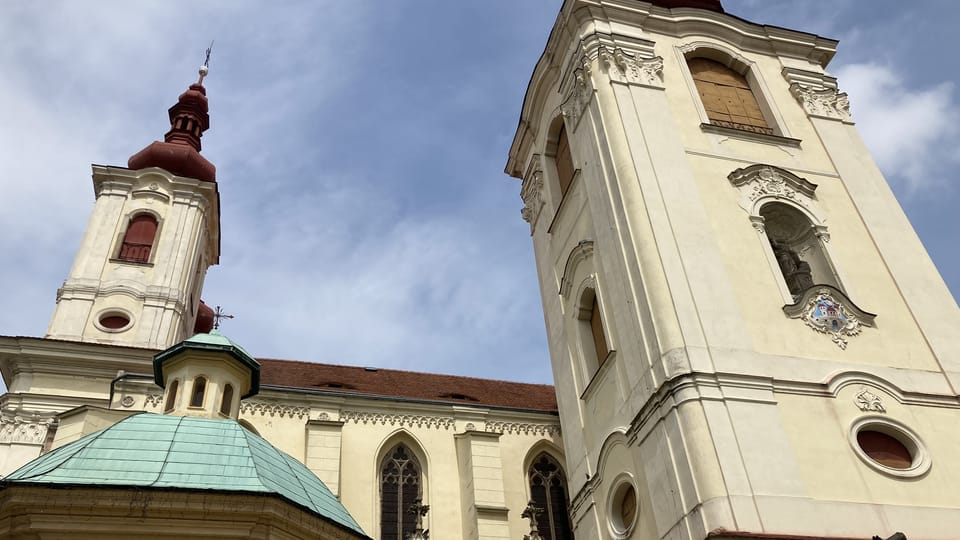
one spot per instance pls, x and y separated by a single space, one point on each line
564 162
138 240
727 96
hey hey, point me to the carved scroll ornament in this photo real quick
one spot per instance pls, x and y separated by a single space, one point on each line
826 103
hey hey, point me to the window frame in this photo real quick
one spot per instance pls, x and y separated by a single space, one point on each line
151 254
745 67
382 463
547 516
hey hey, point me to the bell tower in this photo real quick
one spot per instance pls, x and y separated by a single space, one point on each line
747 337
154 231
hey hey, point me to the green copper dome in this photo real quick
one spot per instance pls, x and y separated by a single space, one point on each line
172 452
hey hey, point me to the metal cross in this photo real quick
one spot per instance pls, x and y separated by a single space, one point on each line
219 315
205 68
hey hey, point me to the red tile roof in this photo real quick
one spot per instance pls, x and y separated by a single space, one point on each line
393 383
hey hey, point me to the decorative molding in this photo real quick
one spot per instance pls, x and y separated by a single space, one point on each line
581 252
825 103
867 401
153 400
263 408
17 429
127 401
827 310
631 69
762 180
531 191
394 419
580 95
523 428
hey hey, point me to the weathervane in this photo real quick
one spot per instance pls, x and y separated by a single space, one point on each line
205 68
218 315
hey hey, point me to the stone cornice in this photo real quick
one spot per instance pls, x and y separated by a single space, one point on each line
578 23
74 358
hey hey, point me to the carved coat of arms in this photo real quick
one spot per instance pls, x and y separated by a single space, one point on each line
825 314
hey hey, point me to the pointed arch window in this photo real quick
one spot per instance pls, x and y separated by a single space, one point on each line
138 240
199 389
548 492
400 478
727 97
171 395
227 402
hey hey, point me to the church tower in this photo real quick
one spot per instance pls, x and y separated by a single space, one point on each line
154 231
747 337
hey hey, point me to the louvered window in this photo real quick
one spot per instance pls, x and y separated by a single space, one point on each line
727 97
399 489
138 240
548 491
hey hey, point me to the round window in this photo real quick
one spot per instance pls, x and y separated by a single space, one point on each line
884 449
623 508
113 321
889 447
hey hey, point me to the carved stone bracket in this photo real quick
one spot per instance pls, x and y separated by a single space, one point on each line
825 103
827 310
153 400
523 428
262 408
531 191
580 94
398 419
631 69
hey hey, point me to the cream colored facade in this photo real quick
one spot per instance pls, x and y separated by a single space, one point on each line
722 406
159 297
474 459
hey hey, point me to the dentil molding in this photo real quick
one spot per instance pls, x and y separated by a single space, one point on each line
398 419
263 408
523 428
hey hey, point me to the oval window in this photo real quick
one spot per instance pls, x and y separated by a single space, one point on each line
884 449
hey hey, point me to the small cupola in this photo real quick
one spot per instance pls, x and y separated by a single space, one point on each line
206 376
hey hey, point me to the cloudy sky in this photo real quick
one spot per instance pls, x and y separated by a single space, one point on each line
360 148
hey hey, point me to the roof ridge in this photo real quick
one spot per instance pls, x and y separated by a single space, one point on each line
166 455
368 368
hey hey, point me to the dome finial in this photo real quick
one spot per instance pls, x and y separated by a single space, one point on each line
205 68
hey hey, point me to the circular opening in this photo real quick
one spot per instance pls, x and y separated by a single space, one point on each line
889 447
114 321
884 449
623 509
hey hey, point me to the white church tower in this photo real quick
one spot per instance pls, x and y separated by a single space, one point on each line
747 337
154 231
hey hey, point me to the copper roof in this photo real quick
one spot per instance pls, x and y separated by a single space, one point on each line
392 383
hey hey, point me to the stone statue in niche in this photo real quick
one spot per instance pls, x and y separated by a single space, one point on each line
795 270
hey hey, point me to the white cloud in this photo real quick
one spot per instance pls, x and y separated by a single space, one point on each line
912 132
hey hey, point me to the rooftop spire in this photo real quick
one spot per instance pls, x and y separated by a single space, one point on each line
179 152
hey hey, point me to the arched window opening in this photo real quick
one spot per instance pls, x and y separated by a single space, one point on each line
171 396
399 488
138 240
564 162
594 339
548 492
797 248
199 388
727 97
227 403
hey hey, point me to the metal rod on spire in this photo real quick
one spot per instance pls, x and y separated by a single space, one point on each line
205 68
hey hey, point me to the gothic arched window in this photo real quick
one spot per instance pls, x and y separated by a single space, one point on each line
548 492
199 389
727 97
138 240
399 488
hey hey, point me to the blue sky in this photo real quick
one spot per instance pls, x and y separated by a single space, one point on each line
360 148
